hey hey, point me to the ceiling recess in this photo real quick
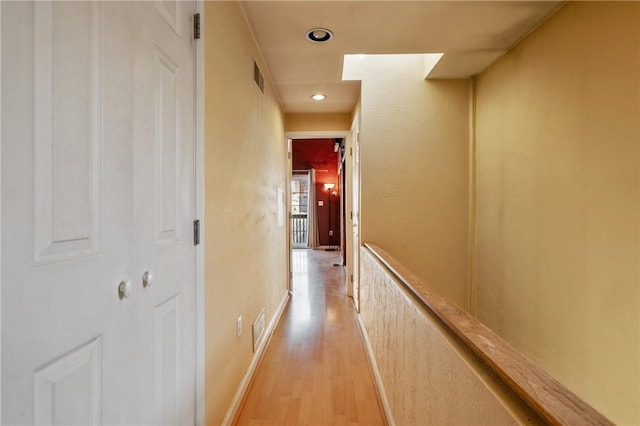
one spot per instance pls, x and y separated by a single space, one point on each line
319 35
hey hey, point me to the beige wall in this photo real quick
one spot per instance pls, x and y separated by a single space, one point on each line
245 253
414 149
317 122
558 139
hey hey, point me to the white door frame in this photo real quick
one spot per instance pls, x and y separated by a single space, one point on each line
287 211
289 136
355 185
348 170
199 212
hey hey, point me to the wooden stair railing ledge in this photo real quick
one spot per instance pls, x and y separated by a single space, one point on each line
553 401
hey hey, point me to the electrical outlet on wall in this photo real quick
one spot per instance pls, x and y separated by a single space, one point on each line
239 326
331 233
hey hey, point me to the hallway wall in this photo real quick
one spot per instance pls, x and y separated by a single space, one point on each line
558 201
317 122
414 149
245 157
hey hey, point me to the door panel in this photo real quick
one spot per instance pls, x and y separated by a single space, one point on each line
168 370
164 199
166 149
67 210
68 390
68 81
94 193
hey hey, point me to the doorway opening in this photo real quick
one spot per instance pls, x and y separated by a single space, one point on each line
316 212
300 183
316 194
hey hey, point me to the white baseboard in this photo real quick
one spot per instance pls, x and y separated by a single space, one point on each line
238 397
382 394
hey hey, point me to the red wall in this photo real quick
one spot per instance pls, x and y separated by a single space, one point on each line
318 154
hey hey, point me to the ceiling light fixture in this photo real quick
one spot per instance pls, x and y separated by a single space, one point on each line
318 97
319 35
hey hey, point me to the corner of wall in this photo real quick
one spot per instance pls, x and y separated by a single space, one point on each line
473 225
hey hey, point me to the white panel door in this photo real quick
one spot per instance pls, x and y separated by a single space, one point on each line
164 200
74 215
67 214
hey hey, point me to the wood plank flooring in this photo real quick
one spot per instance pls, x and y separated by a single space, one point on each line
315 370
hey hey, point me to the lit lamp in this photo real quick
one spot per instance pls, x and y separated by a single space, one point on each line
328 187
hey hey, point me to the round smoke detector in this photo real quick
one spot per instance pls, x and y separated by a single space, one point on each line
319 35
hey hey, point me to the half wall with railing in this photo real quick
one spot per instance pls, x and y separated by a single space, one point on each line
436 364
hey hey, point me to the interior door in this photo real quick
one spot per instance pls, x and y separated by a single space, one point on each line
67 214
356 216
83 341
164 202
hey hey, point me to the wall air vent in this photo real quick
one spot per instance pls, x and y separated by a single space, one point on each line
258 330
257 77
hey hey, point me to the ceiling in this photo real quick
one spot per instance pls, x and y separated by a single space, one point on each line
471 34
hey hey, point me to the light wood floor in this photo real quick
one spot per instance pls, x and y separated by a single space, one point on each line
315 370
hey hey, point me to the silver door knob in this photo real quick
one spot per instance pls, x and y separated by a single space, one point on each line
147 279
125 289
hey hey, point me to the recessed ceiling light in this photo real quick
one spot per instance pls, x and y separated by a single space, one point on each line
318 97
319 35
